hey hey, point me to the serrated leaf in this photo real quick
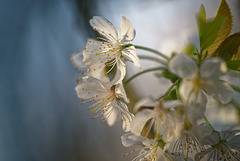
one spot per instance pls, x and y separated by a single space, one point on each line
233 64
208 31
223 11
229 48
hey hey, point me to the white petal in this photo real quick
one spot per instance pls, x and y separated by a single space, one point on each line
112 118
97 52
120 92
183 66
190 95
130 139
76 59
131 55
126 32
219 90
126 116
90 87
98 71
206 135
104 27
146 101
120 72
212 68
179 157
140 120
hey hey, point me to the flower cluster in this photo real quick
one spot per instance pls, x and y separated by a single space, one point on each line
104 60
170 127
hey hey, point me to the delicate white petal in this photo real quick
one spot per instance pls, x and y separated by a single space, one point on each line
126 116
130 139
98 71
212 68
120 92
140 120
190 95
206 135
97 52
112 118
126 32
162 156
104 27
131 55
120 72
90 87
179 157
170 104
76 59
200 155
183 66
232 77
146 101
195 112
219 90
172 126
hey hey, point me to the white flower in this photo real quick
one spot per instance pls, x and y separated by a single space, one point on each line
150 150
106 100
113 49
196 81
96 70
223 146
187 141
164 121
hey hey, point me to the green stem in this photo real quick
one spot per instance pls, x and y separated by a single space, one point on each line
177 91
171 87
142 72
206 120
151 50
153 59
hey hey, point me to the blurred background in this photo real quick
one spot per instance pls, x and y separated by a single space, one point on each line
41 118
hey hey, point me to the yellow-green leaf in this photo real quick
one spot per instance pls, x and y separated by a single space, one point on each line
189 49
208 31
223 11
202 13
233 64
229 48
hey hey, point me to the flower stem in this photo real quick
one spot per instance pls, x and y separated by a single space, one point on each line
171 87
142 72
152 50
153 59
177 91
206 120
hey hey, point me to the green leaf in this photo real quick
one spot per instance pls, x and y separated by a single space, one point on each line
172 95
233 64
208 31
223 11
229 48
202 13
190 49
166 74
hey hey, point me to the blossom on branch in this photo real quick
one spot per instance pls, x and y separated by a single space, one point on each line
113 48
196 81
107 101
